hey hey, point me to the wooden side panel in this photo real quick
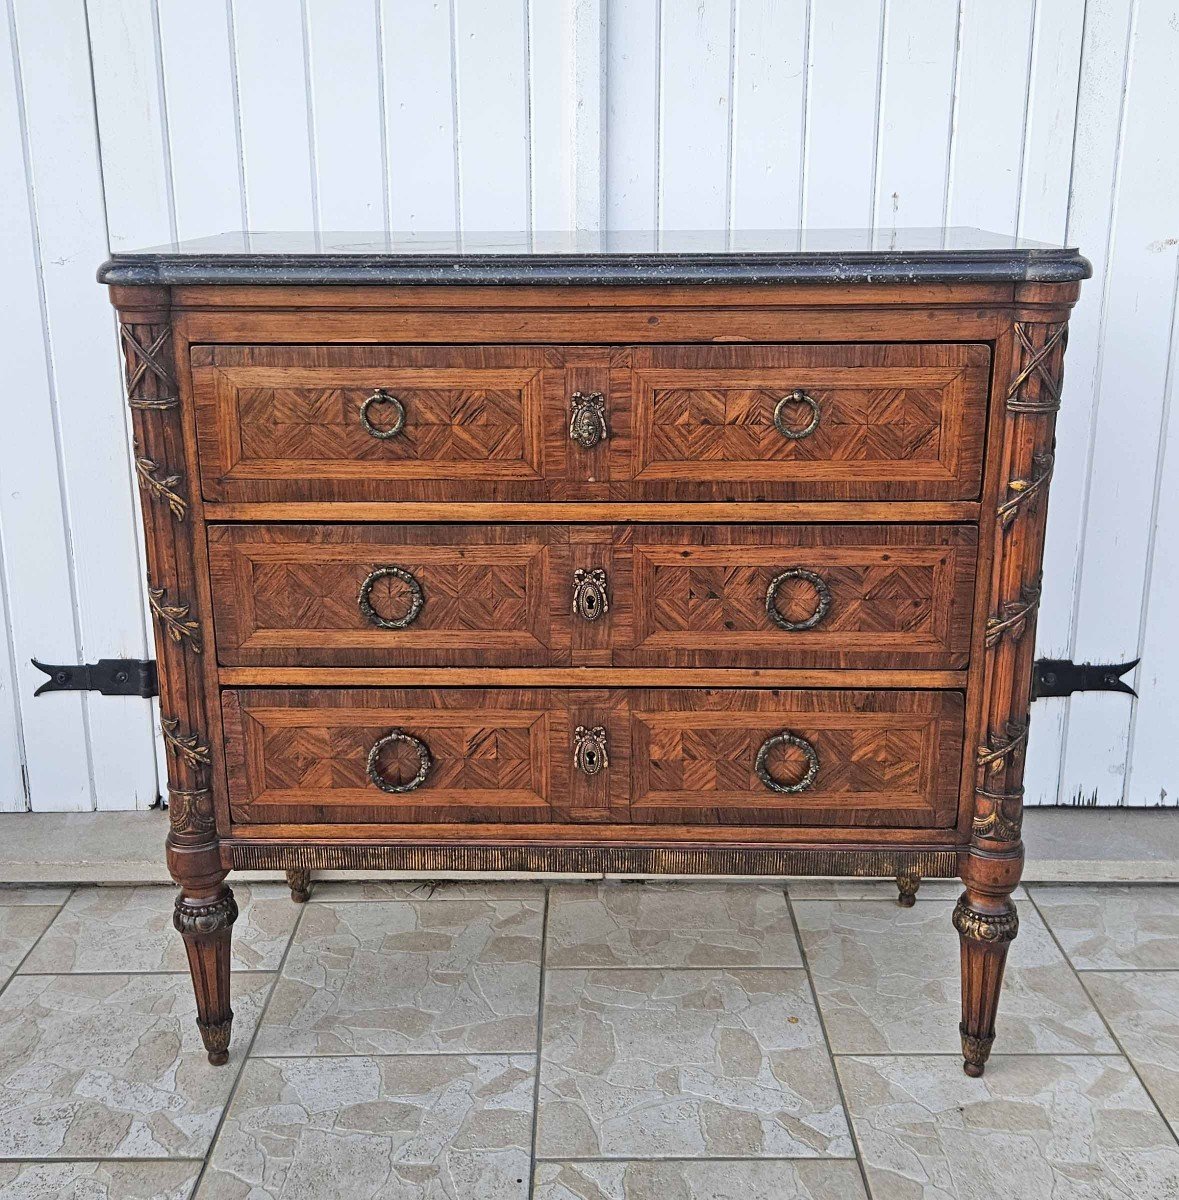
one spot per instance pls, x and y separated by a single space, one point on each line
883 759
885 597
285 423
483 594
887 422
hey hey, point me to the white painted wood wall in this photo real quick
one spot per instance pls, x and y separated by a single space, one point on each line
128 122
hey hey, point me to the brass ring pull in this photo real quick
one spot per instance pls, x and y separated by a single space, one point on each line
589 749
416 598
383 432
786 738
587 420
822 593
590 597
424 760
796 397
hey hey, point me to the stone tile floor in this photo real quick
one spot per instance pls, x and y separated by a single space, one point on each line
595 1041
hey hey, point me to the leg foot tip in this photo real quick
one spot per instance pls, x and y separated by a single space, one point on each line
218 1058
974 1070
906 901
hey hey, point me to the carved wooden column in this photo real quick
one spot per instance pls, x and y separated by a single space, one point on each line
984 916
205 908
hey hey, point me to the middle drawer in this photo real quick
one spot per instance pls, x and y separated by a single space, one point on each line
868 596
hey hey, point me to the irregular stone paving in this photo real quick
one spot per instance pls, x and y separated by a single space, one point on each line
599 1040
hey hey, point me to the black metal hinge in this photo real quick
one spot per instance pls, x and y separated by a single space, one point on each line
1061 677
110 676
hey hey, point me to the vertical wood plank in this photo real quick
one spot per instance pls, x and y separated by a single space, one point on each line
551 101
1132 380
12 792
271 73
491 63
126 54
916 102
128 102
769 98
92 431
344 91
203 133
417 57
632 114
695 82
1049 127
588 116
843 87
36 567
1154 749
1050 122
986 154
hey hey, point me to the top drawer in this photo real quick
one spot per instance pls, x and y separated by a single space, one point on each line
438 423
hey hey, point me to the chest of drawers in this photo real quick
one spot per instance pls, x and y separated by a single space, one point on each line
509 557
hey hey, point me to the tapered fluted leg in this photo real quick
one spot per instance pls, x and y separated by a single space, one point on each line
206 924
299 881
986 927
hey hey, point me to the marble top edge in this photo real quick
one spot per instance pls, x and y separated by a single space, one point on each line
747 256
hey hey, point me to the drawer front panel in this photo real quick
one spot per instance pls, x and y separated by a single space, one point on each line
860 758
304 755
294 422
536 756
438 423
794 596
675 595
382 595
866 422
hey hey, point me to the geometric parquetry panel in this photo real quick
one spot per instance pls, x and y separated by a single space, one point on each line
442 425
323 594
737 425
706 760
873 598
470 757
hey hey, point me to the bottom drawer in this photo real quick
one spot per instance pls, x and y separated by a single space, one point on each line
651 757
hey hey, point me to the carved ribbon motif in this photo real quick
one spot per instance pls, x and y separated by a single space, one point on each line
186 746
1012 619
1025 491
162 487
140 360
174 618
1039 366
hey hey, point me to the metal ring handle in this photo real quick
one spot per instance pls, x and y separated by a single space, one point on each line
822 591
424 758
786 738
417 598
383 432
796 397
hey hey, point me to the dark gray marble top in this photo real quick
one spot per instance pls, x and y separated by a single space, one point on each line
688 257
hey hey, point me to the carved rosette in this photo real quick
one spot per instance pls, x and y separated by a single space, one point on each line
145 334
1033 397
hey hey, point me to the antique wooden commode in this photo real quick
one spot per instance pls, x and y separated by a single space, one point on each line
692 554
